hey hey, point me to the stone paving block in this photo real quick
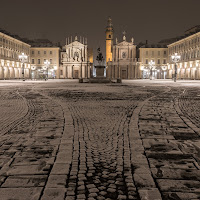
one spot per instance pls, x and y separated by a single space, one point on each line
54 194
149 194
144 180
167 185
64 157
20 193
33 160
170 161
176 174
28 170
56 181
24 181
181 195
60 168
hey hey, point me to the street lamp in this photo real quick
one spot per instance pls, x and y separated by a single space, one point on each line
33 68
23 58
175 59
151 64
47 63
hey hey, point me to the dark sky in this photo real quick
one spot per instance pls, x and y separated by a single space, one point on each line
56 19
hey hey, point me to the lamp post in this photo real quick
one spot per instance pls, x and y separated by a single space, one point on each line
23 58
175 59
32 70
47 63
151 64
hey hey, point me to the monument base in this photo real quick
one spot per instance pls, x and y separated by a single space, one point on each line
100 71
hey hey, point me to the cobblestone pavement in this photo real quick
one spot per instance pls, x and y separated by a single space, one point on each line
64 140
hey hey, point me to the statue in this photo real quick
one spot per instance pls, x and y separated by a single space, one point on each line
124 37
99 56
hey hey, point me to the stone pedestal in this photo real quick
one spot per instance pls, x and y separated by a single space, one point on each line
100 71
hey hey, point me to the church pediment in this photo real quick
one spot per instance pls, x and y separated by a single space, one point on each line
75 43
125 43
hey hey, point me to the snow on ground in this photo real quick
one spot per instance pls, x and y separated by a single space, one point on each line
64 140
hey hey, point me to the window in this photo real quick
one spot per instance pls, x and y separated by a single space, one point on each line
32 52
146 53
44 60
61 72
158 53
33 62
50 61
38 52
164 61
146 61
45 52
158 61
109 36
50 52
38 61
165 52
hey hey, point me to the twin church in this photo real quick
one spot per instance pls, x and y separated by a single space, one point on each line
121 62
123 59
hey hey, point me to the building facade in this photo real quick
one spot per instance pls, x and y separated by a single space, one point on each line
188 67
11 67
74 60
158 55
124 62
39 56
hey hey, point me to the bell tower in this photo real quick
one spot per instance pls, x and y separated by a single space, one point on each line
109 40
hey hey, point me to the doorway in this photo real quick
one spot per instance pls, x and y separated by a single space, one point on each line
76 74
124 74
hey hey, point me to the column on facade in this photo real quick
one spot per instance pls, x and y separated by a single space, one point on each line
64 71
129 71
128 52
2 72
72 71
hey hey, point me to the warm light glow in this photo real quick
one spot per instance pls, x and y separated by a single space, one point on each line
55 67
175 58
165 68
141 67
33 67
23 57
44 67
47 63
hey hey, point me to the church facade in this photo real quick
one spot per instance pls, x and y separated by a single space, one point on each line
124 62
121 61
74 60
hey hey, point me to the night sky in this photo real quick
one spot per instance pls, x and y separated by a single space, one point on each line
150 20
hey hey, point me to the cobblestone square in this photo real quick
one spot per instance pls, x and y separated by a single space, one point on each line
63 140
